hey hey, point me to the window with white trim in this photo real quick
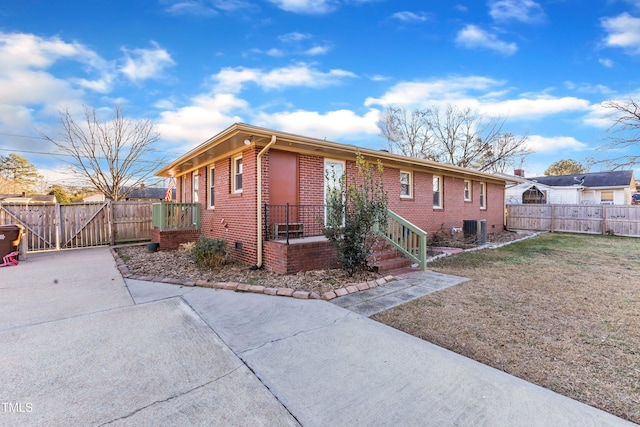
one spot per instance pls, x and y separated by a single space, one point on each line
406 190
212 192
183 189
606 197
467 190
237 174
437 191
195 187
483 195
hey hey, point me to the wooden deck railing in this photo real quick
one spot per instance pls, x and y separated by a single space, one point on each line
168 215
407 238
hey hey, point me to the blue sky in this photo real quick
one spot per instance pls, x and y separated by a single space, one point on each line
319 68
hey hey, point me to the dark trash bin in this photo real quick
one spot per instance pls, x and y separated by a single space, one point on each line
10 236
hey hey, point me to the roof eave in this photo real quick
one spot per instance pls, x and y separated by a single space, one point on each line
233 138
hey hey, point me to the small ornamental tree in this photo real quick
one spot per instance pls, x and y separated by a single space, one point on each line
354 214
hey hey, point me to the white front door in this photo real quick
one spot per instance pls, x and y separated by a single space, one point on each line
334 170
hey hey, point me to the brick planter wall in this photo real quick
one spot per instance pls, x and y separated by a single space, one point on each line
172 238
289 259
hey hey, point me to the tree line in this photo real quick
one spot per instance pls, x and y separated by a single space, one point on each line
463 137
114 155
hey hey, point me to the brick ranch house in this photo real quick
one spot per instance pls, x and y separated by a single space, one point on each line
263 191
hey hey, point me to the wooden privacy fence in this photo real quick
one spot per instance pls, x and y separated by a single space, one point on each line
79 225
619 220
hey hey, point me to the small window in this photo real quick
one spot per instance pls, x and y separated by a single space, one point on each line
405 184
237 175
483 195
606 197
467 190
195 183
437 191
212 193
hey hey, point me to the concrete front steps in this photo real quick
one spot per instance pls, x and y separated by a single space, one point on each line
386 258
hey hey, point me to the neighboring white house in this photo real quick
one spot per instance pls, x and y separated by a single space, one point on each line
606 188
94 197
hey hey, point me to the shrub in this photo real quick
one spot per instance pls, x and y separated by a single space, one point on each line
355 213
186 247
209 253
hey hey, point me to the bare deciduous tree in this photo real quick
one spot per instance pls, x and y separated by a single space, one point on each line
115 155
457 136
406 132
624 132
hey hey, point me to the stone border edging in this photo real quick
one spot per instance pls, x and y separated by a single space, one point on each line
257 289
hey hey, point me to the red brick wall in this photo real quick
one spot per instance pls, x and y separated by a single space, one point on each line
171 239
311 179
235 218
418 209
288 259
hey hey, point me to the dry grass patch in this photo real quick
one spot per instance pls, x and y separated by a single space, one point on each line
561 311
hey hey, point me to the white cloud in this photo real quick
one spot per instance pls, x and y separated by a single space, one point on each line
314 7
473 37
317 51
275 52
479 93
378 78
232 79
541 144
294 37
60 175
22 50
311 7
206 116
623 32
189 7
204 7
534 107
605 62
14 117
143 64
589 88
339 124
409 17
299 44
24 75
101 85
598 117
426 92
526 11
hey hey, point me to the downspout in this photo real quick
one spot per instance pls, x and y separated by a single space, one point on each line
259 198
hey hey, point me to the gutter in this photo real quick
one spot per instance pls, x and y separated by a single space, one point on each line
259 198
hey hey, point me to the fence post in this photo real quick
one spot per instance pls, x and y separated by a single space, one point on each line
604 220
58 225
110 227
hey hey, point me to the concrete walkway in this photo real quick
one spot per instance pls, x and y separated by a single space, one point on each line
158 354
76 350
411 286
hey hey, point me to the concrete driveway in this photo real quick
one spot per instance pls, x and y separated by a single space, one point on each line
80 346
